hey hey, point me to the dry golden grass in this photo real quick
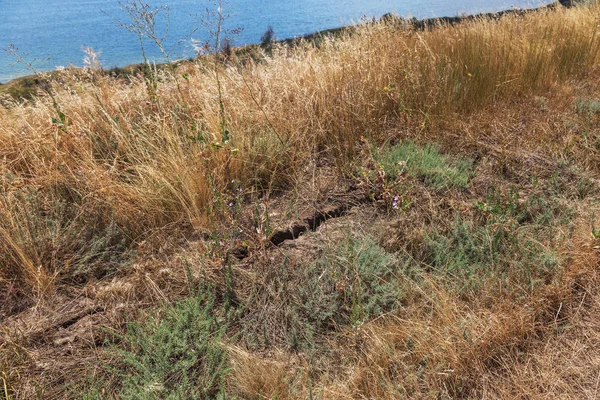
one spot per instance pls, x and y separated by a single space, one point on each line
125 171
143 165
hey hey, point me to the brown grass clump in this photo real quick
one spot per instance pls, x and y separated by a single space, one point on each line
264 378
150 193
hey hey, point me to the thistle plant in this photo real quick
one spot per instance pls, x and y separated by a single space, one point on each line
60 120
142 20
213 21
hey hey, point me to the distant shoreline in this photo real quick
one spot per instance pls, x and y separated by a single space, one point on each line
419 24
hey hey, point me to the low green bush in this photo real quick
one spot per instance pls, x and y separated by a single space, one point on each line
351 283
510 239
175 354
426 163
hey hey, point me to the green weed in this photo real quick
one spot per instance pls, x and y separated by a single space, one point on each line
177 355
50 232
544 207
426 163
470 257
514 244
352 283
587 106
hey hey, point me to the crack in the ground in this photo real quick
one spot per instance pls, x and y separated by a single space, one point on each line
311 223
299 227
72 321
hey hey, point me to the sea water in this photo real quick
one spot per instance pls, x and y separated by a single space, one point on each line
52 34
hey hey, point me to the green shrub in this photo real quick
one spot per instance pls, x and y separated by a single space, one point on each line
588 106
174 355
426 163
24 88
469 256
513 245
353 282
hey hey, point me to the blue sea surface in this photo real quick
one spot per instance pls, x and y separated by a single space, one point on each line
53 33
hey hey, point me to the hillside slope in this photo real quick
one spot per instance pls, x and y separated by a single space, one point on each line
394 213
